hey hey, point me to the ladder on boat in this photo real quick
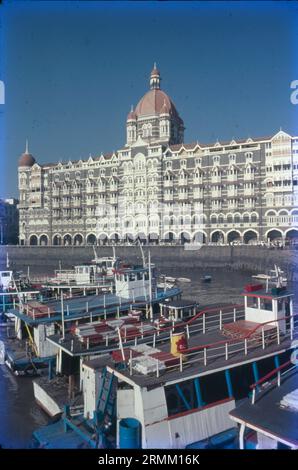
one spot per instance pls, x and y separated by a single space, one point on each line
105 407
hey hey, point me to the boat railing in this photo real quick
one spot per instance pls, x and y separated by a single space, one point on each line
277 381
71 284
259 337
76 410
209 310
204 324
220 314
163 333
111 308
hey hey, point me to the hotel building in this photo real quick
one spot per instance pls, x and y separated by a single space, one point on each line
159 188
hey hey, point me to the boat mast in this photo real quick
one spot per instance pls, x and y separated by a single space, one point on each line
150 285
62 315
142 253
95 254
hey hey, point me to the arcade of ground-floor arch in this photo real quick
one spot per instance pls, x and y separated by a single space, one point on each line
216 236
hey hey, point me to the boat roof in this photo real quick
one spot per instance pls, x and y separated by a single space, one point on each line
181 303
266 414
28 291
76 308
264 294
194 368
133 268
96 261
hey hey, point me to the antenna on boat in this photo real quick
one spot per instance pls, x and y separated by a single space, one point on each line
114 252
62 315
121 344
95 254
7 260
142 253
150 285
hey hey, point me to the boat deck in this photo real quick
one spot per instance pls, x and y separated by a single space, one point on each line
215 361
18 359
57 390
84 307
74 347
16 349
267 415
242 328
53 436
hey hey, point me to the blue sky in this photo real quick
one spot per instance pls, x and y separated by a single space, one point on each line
72 70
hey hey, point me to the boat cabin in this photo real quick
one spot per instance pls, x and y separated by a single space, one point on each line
89 273
6 279
135 282
271 306
93 272
176 310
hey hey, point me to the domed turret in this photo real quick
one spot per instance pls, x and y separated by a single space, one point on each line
131 115
155 101
155 78
155 117
26 159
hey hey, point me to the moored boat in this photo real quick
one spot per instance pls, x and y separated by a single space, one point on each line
206 278
180 392
135 288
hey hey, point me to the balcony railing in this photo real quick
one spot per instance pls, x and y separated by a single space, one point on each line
168 183
248 176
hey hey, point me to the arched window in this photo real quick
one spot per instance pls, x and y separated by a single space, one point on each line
254 217
147 130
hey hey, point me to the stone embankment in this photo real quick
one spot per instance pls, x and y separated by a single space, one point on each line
254 258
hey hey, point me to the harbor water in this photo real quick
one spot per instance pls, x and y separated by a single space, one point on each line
20 415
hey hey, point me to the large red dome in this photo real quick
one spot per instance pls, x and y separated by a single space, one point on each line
155 102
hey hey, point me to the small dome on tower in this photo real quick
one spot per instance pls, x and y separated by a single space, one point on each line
26 159
131 115
155 78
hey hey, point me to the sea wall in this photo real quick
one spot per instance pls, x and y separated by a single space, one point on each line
47 259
